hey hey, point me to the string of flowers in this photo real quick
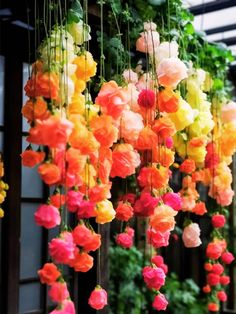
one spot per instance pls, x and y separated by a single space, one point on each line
73 157
3 187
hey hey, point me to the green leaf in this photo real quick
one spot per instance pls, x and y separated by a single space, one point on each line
75 13
189 28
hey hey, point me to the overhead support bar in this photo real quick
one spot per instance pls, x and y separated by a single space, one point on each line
220 29
212 6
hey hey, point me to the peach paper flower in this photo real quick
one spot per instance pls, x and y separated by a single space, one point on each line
191 235
171 71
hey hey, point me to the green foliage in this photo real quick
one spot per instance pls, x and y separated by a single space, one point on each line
128 293
126 286
183 296
173 23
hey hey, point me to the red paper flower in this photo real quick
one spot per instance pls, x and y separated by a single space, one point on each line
147 99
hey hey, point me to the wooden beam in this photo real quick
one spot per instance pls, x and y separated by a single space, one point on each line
12 149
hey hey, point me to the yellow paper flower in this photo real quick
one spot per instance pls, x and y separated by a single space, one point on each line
79 31
86 66
104 212
184 116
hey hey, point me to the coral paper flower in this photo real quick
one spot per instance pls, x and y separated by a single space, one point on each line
125 161
124 211
147 139
164 127
98 298
158 239
104 131
214 250
37 109
53 132
47 216
112 99
160 303
188 166
49 173
49 273
31 158
82 262
213 307
153 177
43 84
168 100
163 218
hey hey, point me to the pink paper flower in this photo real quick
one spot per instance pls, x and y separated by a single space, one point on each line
173 200
47 216
171 71
129 231
62 249
191 235
148 41
66 307
227 257
228 113
154 277
86 210
58 292
224 197
124 240
160 303
73 200
130 126
98 298
130 76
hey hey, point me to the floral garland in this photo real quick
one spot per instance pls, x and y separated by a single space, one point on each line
73 156
131 130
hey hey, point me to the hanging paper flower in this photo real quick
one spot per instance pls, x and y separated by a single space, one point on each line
160 303
47 216
191 235
98 298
